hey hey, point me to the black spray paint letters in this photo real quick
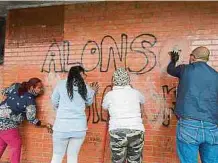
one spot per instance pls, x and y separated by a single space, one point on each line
104 117
166 92
96 117
107 54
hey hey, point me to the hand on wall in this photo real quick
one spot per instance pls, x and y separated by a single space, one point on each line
95 86
174 56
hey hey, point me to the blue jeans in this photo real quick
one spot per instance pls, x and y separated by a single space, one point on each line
195 136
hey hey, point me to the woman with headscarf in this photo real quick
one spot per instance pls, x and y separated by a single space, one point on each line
18 105
125 125
70 98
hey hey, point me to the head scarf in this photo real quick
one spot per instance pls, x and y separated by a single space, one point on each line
121 77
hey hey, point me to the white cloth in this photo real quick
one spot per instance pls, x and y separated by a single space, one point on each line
123 104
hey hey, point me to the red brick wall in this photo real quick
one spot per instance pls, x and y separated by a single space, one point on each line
139 34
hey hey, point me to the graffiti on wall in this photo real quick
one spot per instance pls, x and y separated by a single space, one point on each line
111 54
96 116
166 92
105 55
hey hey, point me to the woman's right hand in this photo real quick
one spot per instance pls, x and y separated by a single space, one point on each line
48 126
94 86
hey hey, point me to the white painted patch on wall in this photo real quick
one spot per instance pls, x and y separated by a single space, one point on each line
170 45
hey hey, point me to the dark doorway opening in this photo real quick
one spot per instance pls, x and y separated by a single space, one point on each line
2 39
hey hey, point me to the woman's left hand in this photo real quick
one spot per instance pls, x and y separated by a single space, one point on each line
95 86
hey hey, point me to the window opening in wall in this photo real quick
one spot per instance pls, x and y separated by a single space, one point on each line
2 39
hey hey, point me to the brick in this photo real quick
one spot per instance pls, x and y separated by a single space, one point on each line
201 42
30 35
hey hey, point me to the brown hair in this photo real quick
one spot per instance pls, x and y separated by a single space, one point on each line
25 86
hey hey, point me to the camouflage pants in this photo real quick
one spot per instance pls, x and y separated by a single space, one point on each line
126 145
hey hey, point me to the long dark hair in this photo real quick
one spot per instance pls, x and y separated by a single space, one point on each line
75 79
25 86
